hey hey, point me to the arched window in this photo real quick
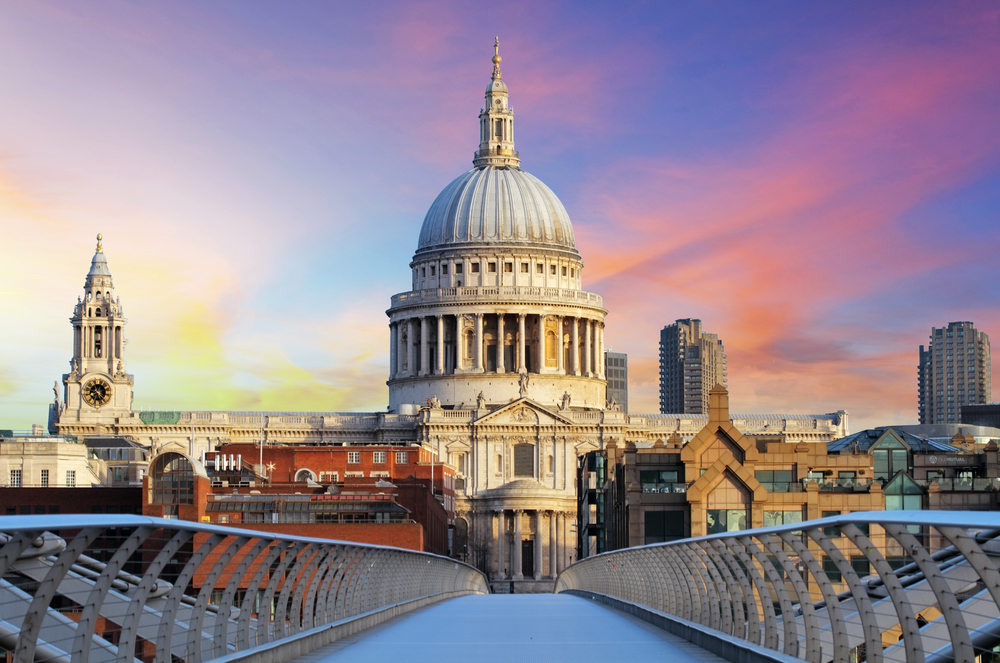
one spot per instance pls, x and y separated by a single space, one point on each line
171 482
98 312
305 474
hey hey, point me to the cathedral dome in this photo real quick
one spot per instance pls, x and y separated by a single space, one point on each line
496 205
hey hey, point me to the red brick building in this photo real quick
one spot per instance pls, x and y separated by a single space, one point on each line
380 495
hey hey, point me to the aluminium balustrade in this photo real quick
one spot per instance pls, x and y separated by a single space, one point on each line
97 589
876 586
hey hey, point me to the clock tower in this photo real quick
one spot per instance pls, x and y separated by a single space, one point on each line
97 390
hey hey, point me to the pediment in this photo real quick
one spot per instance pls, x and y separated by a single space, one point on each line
524 412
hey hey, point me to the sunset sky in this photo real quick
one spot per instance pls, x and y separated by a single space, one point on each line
818 182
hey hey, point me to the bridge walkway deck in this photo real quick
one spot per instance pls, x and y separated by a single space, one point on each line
519 628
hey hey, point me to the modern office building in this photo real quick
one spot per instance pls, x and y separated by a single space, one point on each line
616 373
692 362
728 478
981 415
954 372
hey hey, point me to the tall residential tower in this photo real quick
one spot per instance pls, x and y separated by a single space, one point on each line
954 371
691 363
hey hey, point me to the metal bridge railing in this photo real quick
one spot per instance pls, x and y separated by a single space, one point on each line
97 589
868 586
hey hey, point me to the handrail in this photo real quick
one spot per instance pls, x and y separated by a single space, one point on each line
898 585
174 589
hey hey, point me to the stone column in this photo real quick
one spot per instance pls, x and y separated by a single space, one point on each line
411 353
538 545
588 347
425 347
393 350
560 541
440 352
520 343
500 340
599 326
575 352
517 545
540 343
479 343
500 537
559 345
552 545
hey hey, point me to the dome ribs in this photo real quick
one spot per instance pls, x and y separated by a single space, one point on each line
497 205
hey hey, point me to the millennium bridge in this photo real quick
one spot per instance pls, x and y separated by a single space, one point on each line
919 586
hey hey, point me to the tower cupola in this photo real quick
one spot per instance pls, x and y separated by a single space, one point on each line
496 122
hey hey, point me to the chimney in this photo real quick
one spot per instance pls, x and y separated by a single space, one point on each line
718 405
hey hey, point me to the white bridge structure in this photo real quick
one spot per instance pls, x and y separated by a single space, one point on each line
872 586
159 594
931 592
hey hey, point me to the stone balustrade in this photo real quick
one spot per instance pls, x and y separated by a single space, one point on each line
526 294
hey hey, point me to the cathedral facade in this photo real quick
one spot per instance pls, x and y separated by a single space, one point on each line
496 366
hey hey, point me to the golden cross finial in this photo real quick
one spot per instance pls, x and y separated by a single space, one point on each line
496 58
99 249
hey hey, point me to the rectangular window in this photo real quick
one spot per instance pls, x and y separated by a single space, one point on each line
492 266
433 268
402 458
774 518
831 570
354 457
524 268
458 268
524 460
473 268
564 271
663 526
444 270
329 477
45 478
831 531
539 268
378 457
861 566
71 478
15 478
572 273
508 267
553 269
726 520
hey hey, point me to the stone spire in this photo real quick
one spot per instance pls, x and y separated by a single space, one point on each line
496 122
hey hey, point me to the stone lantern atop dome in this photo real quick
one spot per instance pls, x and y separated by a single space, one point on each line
496 122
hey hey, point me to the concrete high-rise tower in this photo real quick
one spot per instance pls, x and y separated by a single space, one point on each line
954 371
691 363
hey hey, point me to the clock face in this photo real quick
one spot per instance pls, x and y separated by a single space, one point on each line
97 392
